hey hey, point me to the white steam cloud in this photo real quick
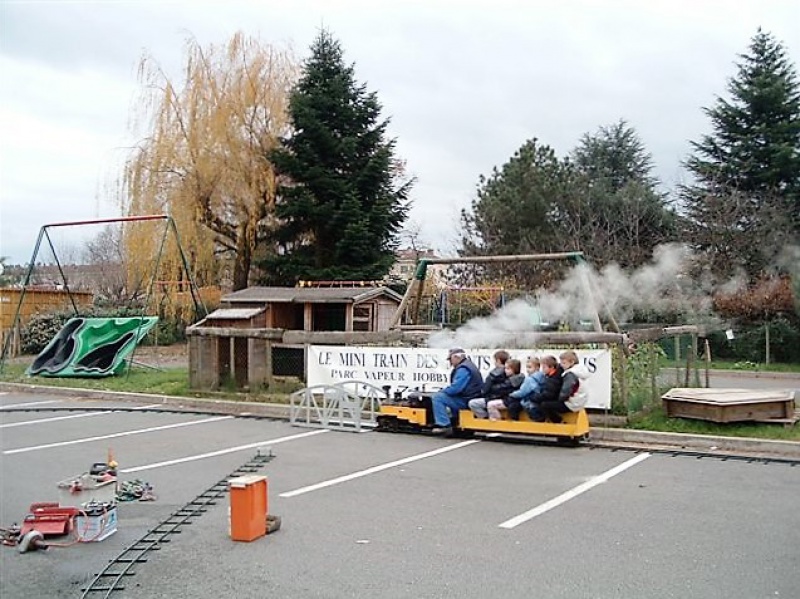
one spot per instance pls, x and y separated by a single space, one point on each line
663 285
488 331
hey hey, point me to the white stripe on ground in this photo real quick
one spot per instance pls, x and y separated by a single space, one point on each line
265 443
32 403
379 468
71 416
572 493
53 419
114 435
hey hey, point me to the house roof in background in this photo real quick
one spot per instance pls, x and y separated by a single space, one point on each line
302 295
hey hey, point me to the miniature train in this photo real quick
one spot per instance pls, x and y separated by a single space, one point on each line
414 414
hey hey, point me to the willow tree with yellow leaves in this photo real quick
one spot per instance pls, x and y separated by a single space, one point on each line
204 159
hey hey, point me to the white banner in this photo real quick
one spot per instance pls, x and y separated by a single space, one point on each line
427 369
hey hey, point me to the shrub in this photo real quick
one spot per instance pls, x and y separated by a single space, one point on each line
41 328
641 372
749 344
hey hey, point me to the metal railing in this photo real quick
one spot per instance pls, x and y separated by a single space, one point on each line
348 406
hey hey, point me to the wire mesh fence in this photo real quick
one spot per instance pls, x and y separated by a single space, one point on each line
289 361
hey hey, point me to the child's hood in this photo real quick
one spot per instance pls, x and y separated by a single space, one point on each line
579 370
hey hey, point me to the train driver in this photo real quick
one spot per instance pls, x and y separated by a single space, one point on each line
465 384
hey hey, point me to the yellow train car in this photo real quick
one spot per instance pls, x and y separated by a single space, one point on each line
416 416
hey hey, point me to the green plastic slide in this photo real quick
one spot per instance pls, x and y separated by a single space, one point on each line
91 347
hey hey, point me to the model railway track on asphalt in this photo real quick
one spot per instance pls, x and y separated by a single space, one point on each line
609 446
112 577
696 454
138 411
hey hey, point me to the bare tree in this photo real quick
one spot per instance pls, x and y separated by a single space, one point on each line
105 256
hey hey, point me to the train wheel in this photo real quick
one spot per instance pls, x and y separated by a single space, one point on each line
569 441
387 424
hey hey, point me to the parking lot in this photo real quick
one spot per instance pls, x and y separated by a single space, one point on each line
384 515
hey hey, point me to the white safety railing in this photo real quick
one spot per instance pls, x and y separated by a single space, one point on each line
349 406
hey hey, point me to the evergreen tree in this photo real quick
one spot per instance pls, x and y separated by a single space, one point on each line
513 213
630 216
749 166
614 156
343 199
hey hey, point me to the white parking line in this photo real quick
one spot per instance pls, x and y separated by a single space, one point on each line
54 419
572 493
379 468
212 454
114 435
32 403
71 416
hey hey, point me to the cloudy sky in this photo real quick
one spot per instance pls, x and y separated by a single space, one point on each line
465 84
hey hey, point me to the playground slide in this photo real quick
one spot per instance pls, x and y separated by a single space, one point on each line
91 347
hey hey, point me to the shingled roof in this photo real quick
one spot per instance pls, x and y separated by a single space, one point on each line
311 295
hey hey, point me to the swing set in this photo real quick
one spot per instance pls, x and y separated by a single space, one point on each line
409 308
98 346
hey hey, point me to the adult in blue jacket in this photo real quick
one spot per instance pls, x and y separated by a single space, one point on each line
465 384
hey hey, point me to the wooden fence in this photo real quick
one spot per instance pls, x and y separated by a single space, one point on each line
35 301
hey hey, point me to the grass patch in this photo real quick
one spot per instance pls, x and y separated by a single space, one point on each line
656 420
169 381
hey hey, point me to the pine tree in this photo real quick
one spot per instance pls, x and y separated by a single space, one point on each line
343 199
514 213
614 156
630 216
749 167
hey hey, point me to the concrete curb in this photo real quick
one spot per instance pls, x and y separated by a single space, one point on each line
599 434
699 443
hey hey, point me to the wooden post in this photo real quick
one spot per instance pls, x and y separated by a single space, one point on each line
695 368
257 373
417 302
688 368
598 327
398 315
623 381
268 358
766 343
708 363
348 316
652 360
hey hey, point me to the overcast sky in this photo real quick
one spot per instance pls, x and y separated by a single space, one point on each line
465 84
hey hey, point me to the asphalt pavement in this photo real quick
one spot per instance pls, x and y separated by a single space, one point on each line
386 515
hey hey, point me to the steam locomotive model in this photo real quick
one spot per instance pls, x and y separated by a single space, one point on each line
414 414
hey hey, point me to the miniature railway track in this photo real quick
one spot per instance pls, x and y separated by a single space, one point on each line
112 577
123 409
697 454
